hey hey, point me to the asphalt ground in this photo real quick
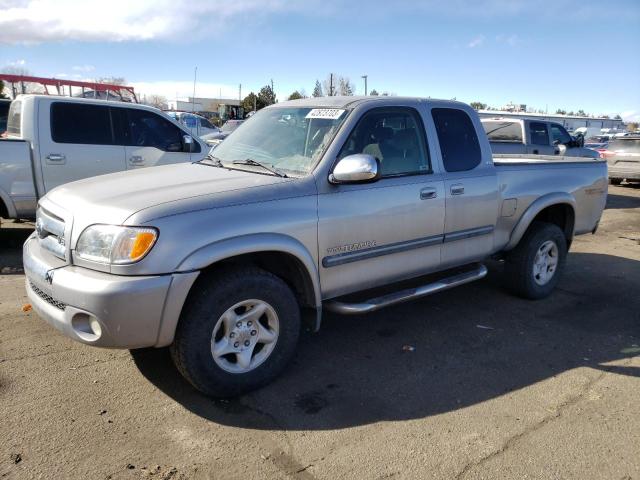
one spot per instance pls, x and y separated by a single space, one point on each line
469 383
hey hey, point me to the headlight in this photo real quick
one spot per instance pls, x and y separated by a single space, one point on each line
115 244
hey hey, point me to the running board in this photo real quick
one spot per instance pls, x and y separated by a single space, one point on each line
479 271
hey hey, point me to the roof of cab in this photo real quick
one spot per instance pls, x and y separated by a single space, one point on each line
352 101
94 101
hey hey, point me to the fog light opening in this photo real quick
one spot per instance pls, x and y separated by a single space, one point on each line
86 327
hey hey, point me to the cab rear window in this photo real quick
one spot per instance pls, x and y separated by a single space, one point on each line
500 131
14 123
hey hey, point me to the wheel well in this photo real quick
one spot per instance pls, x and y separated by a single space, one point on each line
284 265
561 215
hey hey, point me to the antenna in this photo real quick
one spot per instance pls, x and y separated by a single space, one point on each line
193 108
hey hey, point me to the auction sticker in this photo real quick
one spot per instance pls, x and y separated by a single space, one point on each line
327 113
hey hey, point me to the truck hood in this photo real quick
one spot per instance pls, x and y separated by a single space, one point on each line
158 191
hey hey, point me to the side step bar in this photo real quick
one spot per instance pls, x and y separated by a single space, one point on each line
479 271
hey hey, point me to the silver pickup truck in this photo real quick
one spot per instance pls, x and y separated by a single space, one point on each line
306 207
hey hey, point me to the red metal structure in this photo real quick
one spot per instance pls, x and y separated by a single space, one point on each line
60 85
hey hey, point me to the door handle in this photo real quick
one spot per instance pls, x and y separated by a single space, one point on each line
56 157
457 189
136 160
427 193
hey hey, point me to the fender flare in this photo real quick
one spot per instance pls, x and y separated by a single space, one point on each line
254 243
556 198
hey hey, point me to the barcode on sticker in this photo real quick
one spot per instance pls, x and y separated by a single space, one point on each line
328 113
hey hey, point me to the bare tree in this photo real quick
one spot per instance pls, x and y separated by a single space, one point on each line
157 101
330 86
26 87
337 85
111 80
346 87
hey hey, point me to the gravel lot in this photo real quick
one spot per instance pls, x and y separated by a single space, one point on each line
497 387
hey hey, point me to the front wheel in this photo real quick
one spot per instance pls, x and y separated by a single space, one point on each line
615 181
237 331
533 268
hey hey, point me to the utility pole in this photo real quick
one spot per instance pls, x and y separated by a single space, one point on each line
331 84
365 84
273 92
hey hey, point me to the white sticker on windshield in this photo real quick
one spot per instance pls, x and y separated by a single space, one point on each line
328 113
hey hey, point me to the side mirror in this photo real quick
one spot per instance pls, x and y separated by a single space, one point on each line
356 168
187 143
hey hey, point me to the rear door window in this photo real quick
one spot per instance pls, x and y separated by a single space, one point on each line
458 140
539 133
81 124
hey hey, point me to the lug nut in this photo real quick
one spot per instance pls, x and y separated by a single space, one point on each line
232 334
253 333
249 323
237 344
246 343
238 324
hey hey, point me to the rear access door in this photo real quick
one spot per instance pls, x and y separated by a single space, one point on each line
471 189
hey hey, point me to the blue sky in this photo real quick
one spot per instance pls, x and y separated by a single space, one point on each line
546 54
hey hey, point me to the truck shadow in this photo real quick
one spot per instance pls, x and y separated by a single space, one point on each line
11 239
616 202
446 352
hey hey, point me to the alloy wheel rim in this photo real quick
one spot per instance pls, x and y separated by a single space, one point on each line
244 336
545 263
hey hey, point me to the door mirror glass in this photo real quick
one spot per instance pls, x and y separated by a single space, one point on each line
188 143
357 168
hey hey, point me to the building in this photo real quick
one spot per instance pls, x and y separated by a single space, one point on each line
594 125
223 108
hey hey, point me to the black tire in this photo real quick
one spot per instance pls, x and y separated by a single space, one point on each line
213 295
615 181
519 263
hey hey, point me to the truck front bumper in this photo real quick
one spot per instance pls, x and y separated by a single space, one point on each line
102 309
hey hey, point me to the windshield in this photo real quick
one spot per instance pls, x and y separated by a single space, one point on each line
289 139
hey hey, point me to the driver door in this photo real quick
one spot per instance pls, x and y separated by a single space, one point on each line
376 233
153 140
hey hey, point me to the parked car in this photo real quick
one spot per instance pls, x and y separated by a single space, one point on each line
197 125
223 258
533 137
54 140
4 114
213 139
623 158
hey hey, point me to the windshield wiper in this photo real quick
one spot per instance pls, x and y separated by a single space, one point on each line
252 162
215 161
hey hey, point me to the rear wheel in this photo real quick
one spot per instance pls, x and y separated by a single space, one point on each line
533 268
237 332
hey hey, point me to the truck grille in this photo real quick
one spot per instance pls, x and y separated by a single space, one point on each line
46 297
50 232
